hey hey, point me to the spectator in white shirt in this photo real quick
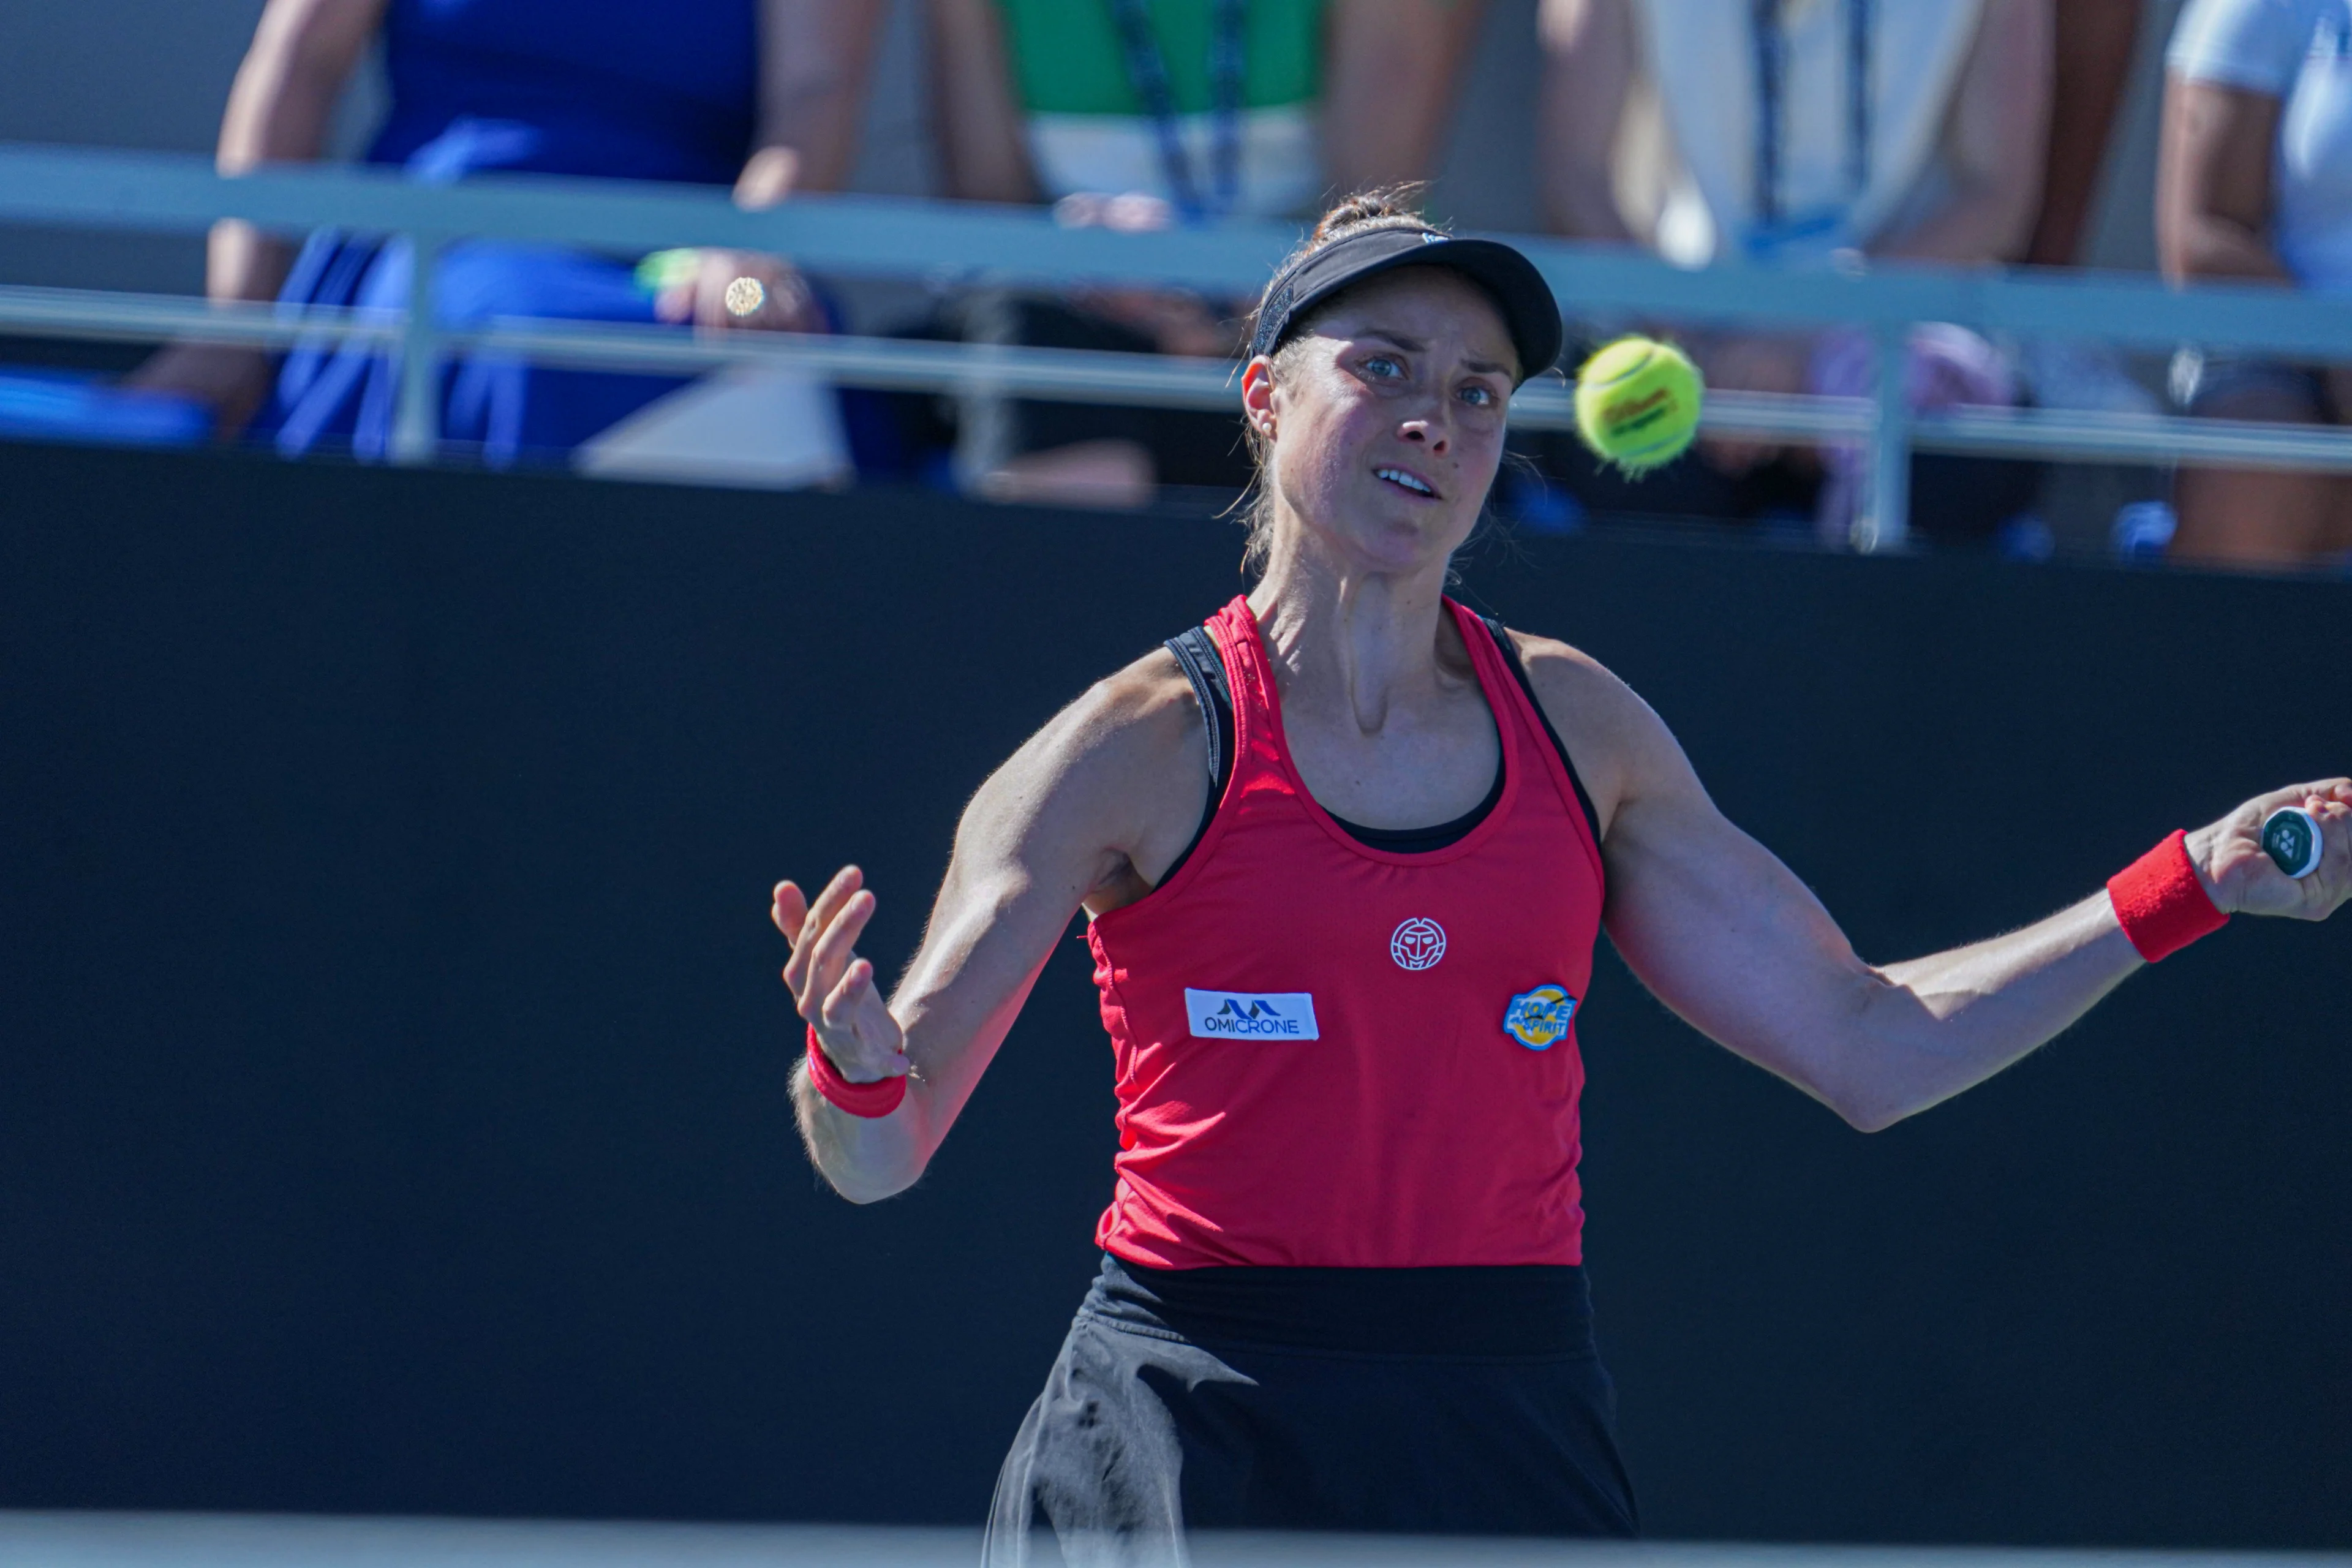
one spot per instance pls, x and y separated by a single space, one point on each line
2255 185
1791 130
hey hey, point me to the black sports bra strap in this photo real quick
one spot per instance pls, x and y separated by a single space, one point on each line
1204 666
1206 669
1511 652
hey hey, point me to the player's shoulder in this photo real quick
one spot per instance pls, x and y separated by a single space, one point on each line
1141 719
1110 783
1617 740
1149 701
1572 684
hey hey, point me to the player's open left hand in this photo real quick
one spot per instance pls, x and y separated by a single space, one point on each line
2241 876
833 988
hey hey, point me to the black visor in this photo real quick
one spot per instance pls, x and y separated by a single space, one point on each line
1530 312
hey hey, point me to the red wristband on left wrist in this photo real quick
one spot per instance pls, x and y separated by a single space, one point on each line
871 1101
2160 903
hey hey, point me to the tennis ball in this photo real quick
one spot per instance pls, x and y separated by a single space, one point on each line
1637 404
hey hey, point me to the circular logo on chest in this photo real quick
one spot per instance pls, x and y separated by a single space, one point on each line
1418 943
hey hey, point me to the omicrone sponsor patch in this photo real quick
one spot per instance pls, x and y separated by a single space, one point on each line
1251 1015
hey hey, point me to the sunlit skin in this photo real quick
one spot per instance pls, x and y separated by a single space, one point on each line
1411 371
1401 387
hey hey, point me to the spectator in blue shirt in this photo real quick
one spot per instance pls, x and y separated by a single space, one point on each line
761 94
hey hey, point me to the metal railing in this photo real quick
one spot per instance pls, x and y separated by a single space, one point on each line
100 1539
951 243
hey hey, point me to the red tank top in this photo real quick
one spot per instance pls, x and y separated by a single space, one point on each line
1333 1055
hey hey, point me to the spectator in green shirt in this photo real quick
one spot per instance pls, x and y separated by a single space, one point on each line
1144 113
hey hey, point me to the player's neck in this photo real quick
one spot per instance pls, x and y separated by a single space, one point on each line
1347 639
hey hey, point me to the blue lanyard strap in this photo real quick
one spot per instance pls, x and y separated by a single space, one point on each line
1147 74
1771 89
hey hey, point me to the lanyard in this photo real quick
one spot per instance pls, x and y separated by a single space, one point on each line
1771 87
1147 73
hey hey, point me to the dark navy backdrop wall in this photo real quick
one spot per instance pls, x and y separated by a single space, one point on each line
392 1108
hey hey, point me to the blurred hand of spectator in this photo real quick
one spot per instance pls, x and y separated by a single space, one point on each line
741 290
746 289
1127 212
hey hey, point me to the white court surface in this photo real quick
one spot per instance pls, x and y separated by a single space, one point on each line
256 1540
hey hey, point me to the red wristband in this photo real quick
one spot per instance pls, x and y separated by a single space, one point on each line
872 1100
2160 903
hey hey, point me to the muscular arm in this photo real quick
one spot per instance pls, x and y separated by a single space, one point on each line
1728 938
1088 813
1995 142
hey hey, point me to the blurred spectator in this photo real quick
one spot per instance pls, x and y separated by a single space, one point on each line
762 93
1799 132
1137 113
2255 184
2091 60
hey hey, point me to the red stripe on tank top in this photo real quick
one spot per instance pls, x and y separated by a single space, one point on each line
1332 1054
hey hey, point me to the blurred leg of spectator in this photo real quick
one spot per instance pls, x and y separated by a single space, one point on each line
341 396
2253 517
2095 40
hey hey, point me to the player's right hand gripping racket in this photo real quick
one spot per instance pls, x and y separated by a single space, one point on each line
2291 838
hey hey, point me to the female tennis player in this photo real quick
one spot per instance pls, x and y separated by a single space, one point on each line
1346 850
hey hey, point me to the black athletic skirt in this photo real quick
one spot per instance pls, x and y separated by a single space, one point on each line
1433 1401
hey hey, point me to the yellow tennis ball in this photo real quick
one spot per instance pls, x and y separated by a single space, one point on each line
1637 404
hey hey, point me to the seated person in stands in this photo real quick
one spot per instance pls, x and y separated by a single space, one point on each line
2255 184
764 94
1134 112
1901 129
2093 43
